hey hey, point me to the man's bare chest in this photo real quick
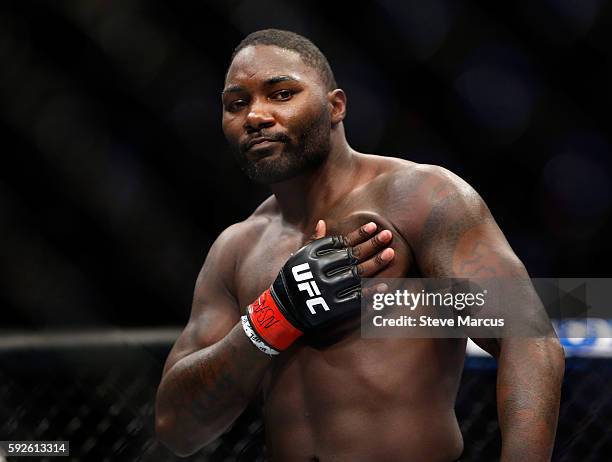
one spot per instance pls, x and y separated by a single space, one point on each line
260 263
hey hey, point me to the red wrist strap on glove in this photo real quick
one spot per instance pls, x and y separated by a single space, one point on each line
270 324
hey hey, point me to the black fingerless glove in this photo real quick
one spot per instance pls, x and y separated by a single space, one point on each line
316 287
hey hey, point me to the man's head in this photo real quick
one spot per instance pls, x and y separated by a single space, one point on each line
280 104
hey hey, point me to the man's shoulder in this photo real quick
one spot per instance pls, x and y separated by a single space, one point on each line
252 226
425 192
427 180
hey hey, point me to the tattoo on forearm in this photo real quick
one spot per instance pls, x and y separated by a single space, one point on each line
207 384
529 399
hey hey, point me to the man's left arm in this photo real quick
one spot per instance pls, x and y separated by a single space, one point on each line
460 239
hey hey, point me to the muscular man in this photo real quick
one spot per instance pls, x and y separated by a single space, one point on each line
329 394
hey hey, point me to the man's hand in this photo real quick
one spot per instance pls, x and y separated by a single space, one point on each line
318 286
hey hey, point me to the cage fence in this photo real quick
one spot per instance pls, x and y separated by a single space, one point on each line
98 393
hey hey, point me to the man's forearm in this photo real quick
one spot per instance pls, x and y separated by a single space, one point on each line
203 393
528 394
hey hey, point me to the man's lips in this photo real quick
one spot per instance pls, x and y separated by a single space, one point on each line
260 140
261 146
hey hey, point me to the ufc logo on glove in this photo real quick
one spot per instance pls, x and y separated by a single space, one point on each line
302 273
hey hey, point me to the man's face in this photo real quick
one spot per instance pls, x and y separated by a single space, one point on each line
275 114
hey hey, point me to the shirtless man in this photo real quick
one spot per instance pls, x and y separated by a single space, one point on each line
330 394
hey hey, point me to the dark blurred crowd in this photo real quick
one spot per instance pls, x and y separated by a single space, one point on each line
116 178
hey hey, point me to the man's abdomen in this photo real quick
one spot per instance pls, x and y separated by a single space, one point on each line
364 400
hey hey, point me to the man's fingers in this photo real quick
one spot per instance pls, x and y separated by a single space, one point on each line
367 292
372 246
375 264
360 235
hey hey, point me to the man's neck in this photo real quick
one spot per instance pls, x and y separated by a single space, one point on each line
306 198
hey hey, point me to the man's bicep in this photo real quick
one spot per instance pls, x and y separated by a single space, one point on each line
214 309
482 251
460 238
210 322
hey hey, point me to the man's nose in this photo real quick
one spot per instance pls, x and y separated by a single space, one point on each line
259 117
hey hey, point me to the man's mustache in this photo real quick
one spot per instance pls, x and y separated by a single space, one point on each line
244 146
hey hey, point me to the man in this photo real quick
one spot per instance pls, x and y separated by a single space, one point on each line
328 393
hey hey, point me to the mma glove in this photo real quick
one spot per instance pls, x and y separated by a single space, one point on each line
317 286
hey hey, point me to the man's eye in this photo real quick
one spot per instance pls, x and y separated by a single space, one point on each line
236 105
282 95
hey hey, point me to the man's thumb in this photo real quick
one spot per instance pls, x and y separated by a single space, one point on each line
320 230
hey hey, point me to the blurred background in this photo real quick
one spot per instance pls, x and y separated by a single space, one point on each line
115 180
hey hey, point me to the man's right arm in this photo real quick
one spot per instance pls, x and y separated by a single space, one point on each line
213 370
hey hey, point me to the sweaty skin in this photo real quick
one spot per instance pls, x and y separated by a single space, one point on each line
334 396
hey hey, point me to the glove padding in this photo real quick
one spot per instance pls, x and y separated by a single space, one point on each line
316 287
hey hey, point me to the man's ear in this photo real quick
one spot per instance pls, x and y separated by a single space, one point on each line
337 103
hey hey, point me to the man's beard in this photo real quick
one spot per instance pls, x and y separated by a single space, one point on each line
310 151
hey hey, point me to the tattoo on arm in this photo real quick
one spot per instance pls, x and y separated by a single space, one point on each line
473 264
209 381
459 238
529 392
449 220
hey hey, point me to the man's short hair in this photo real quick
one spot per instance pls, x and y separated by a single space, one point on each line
287 40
